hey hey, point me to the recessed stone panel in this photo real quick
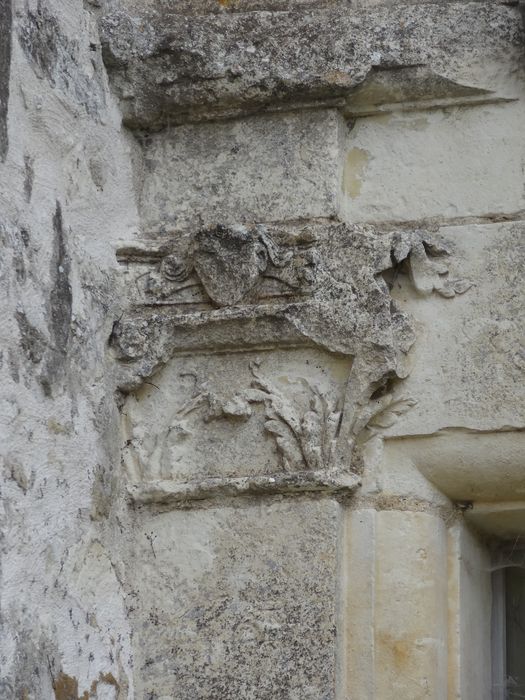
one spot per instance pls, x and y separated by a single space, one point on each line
209 421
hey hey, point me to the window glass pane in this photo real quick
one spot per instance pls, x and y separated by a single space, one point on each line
515 632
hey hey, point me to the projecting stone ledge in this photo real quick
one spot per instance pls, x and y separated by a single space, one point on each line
167 68
168 491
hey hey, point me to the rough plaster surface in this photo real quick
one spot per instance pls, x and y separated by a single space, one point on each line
261 346
65 194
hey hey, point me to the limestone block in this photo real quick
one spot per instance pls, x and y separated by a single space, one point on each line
447 163
359 570
392 470
236 602
396 621
266 168
410 646
468 362
503 519
168 68
469 616
238 422
468 465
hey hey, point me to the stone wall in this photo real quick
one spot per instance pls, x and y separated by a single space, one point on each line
262 346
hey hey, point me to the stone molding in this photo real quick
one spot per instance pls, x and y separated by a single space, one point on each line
168 68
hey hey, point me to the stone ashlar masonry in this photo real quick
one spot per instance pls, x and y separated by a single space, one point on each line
262 346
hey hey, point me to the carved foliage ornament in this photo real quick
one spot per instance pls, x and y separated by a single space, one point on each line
241 287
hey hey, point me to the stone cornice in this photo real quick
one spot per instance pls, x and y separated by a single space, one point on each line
245 289
168 69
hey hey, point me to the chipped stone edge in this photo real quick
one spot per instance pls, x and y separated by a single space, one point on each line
168 491
206 79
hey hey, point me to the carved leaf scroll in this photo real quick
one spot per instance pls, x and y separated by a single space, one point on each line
304 440
386 412
426 262
312 435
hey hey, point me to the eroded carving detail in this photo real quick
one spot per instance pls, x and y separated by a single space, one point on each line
425 257
236 421
384 412
328 291
304 440
233 264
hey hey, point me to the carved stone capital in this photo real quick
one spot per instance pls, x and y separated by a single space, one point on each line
217 299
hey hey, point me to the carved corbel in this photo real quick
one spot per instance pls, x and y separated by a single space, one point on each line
244 290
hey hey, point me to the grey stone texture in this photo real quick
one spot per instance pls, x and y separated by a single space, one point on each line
261 346
5 73
249 608
168 68
266 168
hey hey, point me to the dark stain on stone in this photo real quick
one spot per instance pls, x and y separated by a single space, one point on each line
24 235
19 266
40 39
6 689
59 306
55 57
6 18
12 360
32 342
61 298
32 673
104 485
29 176
65 687
106 679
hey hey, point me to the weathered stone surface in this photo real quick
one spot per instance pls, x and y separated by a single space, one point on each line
447 163
5 72
266 168
57 57
204 7
273 415
469 364
167 68
60 630
319 285
241 458
323 280
212 591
